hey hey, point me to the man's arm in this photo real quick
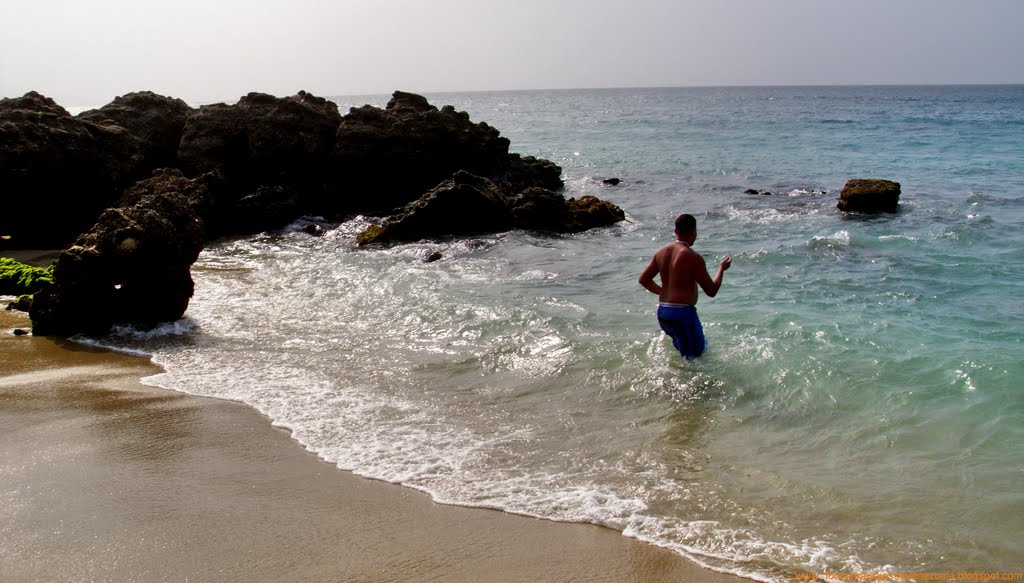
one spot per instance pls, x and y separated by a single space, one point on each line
647 277
707 283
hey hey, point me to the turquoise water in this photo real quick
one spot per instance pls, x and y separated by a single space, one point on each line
860 407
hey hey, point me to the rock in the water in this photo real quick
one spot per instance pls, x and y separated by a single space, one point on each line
469 204
869 195
57 173
20 332
750 191
131 268
539 209
611 181
463 205
435 256
590 212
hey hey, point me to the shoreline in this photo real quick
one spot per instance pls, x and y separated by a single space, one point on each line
104 478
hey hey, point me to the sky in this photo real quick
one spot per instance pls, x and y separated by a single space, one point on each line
85 53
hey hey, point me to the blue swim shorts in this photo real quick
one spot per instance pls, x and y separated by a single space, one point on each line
681 323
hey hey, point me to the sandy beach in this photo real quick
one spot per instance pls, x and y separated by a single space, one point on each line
105 479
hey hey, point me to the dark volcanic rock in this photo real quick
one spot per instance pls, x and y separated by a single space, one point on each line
132 267
463 205
157 122
540 209
57 173
528 172
386 158
272 152
869 195
469 204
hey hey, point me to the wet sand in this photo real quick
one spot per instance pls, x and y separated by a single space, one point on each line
105 479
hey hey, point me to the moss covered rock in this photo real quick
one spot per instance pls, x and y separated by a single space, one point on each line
17 279
869 195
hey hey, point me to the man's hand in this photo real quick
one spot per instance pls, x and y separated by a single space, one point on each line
726 263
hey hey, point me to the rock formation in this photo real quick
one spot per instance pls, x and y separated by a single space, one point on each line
539 209
132 267
157 122
464 205
273 154
171 177
57 173
869 195
469 205
386 158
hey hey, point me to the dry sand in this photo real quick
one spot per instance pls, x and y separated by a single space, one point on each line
105 479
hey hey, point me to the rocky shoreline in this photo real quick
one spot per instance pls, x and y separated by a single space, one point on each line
134 190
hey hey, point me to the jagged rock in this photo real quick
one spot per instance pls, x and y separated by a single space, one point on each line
540 209
132 267
273 154
469 204
869 195
463 205
527 172
57 173
386 158
157 122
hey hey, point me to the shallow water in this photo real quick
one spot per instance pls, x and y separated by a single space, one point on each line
859 408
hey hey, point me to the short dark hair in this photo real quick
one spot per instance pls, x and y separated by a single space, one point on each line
685 223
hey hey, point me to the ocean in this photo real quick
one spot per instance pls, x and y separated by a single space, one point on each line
859 409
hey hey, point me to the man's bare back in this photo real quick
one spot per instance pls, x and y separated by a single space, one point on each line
681 270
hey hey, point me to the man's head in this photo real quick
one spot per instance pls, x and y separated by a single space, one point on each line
686 228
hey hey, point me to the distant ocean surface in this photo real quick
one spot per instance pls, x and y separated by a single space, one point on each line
861 405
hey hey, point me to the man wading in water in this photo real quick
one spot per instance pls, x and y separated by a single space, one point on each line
682 269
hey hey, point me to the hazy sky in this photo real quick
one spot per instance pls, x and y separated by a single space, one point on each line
87 53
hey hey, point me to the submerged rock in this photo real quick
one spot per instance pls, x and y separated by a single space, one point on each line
869 195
